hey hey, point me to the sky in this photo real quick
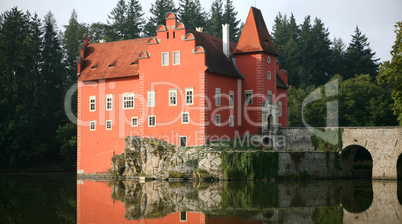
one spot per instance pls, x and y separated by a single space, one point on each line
376 19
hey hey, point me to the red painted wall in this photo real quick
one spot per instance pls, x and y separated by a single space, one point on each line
98 146
162 78
225 84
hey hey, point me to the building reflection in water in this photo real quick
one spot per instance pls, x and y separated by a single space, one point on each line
347 201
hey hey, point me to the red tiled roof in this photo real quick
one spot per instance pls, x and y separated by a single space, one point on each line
280 83
112 59
255 36
216 60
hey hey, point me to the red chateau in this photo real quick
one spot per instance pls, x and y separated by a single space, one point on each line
182 86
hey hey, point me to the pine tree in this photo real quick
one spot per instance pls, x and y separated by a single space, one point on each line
118 20
19 74
72 38
134 22
306 42
159 11
321 54
338 57
186 12
51 88
191 14
200 15
359 58
214 26
229 17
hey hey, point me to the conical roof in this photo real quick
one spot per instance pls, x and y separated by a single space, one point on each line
255 36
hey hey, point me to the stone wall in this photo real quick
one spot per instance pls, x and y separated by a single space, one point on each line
160 160
316 164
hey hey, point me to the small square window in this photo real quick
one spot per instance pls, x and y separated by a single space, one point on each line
109 102
185 118
134 122
189 96
128 100
218 120
108 125
151 98
165 58
217 97
269 75
92 125
92 103
176 57
231 121
172 97
151 121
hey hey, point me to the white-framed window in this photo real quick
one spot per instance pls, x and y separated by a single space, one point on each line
92 125
248 97
185 117
108 125
268 74
269 60
231 99
280 108
128 100
231 121
217 97
176 57
109 101
165 58
189 96
151 121
151 98
217 119
183 142
134 122
269 95
172 97
92 103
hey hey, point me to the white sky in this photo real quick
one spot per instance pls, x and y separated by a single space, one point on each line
375 18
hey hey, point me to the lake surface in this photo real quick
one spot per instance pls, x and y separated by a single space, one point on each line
60 198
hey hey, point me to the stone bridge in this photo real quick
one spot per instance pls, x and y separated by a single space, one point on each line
383 143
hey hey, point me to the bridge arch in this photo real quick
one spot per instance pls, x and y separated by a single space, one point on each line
356 161
357 195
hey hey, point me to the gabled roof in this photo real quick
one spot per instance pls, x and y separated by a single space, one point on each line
112 59
255 36
216 60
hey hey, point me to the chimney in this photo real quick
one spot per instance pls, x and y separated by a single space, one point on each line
225 40
199 29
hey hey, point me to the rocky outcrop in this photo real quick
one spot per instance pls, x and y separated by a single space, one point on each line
161 160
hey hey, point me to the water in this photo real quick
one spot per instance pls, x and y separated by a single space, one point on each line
62 199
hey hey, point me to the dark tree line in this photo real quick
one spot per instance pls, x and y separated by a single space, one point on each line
313 59
38 66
